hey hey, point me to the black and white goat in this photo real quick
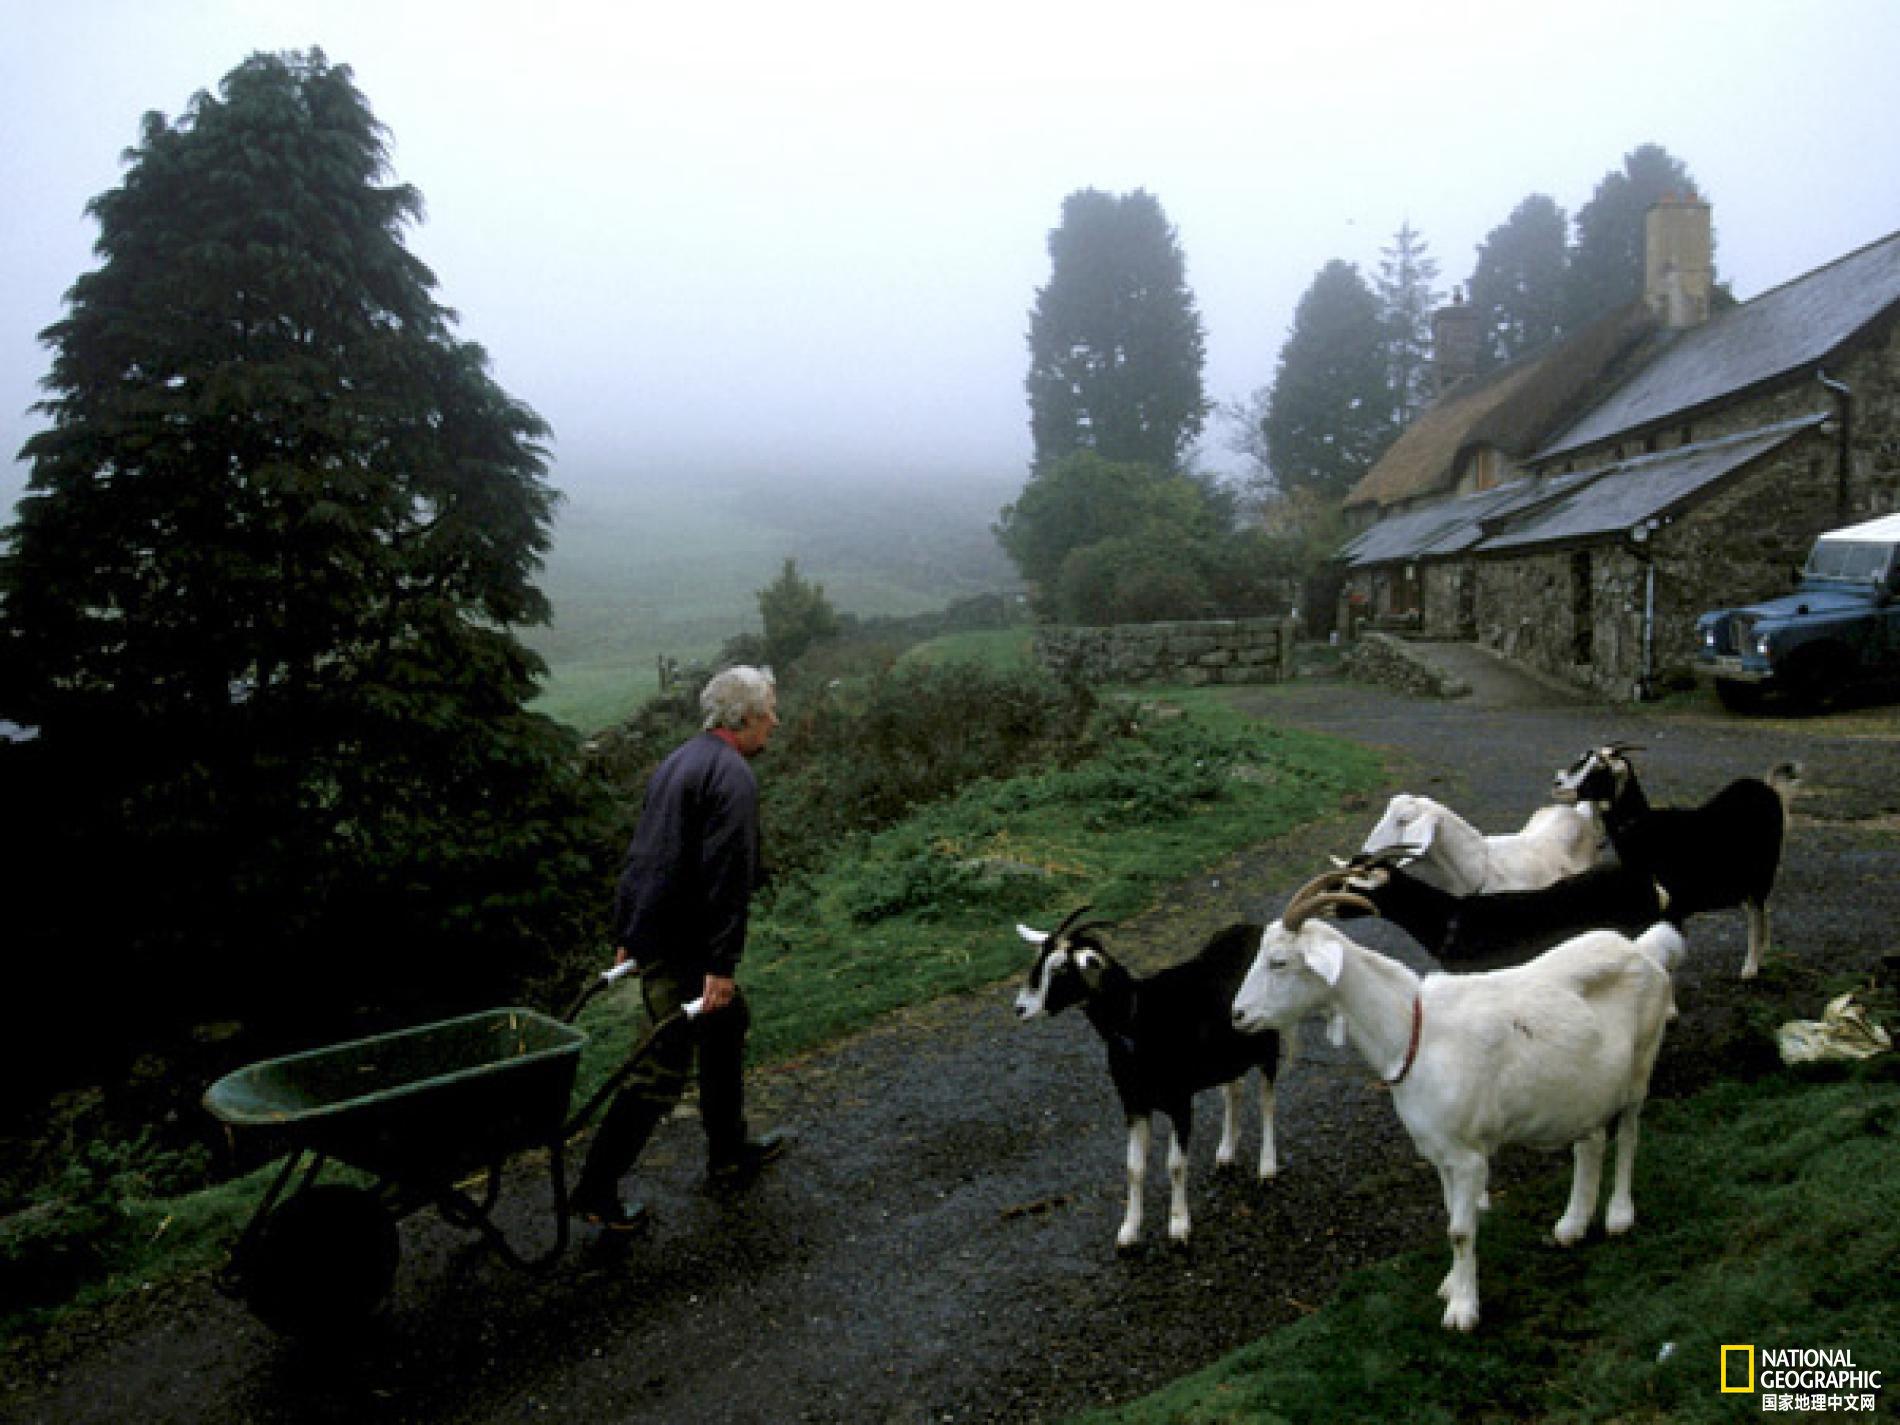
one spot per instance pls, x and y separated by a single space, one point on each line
1720 855
1546 1054
1508 927
1169 1035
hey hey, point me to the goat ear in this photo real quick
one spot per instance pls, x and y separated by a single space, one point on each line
1034 937
1323 957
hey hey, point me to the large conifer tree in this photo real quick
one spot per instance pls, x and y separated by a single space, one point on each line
1116 345
1517 287
259 597
1331 412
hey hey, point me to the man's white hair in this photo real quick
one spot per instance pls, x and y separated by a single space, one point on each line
735 695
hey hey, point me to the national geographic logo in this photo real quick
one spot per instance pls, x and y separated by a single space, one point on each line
1799 1379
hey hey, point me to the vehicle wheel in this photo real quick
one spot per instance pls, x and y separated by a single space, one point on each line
323 1262
1817 681
1738 697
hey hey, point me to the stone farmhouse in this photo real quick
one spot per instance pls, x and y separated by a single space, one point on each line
1576 509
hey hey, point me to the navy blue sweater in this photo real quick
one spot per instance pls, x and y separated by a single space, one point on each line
693 863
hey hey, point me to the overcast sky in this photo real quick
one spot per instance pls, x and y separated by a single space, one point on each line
803 236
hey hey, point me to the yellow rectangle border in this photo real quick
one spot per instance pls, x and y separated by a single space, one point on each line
1748 1389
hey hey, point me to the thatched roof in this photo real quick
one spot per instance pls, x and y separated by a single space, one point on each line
1513 408
1421 461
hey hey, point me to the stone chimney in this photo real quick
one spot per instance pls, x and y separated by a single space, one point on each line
1454 343
1678 261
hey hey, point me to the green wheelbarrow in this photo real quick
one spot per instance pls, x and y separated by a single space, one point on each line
426 1114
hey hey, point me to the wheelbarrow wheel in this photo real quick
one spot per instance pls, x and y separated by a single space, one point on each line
323 1262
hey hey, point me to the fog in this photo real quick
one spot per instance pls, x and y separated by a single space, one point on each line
793 239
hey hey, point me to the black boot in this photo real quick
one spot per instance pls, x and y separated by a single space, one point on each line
737 1166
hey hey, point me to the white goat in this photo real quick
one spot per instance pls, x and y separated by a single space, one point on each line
1452 854
1544 1054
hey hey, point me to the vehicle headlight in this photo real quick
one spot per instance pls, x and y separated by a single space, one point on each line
1761 644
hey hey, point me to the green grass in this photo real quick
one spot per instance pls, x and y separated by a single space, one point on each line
674 567
1769 1215
989 648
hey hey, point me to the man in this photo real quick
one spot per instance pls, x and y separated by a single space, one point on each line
680 913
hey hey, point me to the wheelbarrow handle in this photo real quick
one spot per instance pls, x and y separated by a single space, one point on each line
608 978
689 1011
605 980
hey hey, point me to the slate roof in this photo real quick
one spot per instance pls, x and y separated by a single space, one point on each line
1588 504
1777 334
1443 529
1615 498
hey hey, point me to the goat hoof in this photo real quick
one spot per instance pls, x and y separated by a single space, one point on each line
1460 1317
1617 1221
1568 1234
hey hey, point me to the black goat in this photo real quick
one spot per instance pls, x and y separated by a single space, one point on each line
1488 932
1169 1035
1722 854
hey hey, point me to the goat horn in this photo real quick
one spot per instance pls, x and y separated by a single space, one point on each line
1325 881
1320 904
1074 924
1388 857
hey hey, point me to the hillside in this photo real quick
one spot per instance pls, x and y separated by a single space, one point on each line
671 568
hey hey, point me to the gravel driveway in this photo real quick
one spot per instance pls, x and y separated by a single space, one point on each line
939 1246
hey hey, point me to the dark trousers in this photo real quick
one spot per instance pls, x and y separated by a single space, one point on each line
653 1088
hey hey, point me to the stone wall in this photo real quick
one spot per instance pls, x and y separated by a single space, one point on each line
1257 650
1380 658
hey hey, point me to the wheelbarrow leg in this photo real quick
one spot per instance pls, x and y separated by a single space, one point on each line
461 1210
230 1280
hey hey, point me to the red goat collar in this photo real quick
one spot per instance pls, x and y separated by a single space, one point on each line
1411 1049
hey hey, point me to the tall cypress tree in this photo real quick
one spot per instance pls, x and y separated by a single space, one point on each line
1331 412
1116 345
259 598
1518 285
